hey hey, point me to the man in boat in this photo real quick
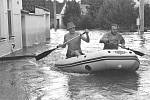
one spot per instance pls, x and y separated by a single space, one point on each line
112 39
74 46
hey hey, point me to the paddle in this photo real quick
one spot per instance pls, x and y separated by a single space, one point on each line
136 52
44 54
16 57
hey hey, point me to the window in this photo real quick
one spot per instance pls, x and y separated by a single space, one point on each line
9 18
9 23
2 38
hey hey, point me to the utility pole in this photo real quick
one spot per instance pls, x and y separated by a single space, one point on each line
141 12
54 6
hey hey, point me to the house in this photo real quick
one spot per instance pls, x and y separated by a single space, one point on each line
48 4
35 26
60 10
21 25
10 26
38 18
59 16
35 22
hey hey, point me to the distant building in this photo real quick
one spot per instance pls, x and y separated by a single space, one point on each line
60 9
84 7
29 5
137 2
59 16
35 22
147 1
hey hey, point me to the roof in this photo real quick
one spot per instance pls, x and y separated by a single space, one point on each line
59 7
29 5
42 8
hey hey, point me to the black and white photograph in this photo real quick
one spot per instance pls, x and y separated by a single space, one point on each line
74 49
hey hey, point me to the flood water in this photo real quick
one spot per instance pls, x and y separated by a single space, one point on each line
27 79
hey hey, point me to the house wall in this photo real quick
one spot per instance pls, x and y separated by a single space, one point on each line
47 23
60 16
16 24
46 19
59 20
35 28
6 44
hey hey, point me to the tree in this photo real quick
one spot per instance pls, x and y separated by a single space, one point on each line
72 13
147 15
94 7
86 22
121 12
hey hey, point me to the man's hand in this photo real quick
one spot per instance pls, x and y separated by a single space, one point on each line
122 45
60 45
86 31
76 53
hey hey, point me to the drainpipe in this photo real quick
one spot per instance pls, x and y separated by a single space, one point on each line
54 5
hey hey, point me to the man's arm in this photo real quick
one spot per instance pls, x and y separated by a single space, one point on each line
122 42
63 45
104 38
65 40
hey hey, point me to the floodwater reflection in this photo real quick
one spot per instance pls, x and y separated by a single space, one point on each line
107 85
27 80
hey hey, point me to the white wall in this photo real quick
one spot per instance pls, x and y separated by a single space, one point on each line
35 29
28 29
15 7
3 19
47 23
4 46
16 23
46 15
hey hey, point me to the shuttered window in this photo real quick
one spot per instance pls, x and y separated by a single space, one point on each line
9 23
9 18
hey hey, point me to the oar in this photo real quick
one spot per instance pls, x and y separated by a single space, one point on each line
44 54
136 52
16 57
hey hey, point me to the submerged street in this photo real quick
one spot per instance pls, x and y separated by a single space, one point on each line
27 79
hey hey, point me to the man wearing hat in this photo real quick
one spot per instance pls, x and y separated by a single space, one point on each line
74 46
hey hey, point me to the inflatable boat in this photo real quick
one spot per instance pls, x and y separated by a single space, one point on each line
125 60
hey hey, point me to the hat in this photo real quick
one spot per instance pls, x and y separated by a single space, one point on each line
70 25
